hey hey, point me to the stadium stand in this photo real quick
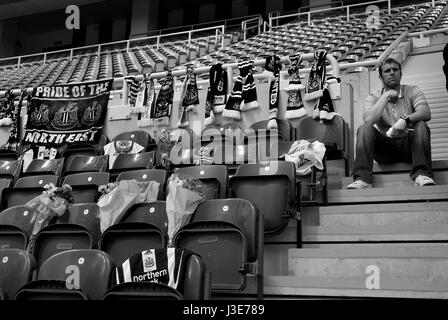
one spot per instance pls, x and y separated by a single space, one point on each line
263 232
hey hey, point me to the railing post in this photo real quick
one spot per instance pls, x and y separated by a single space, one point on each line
127 45
18 63
348 13
229 79
270 22
158 42
99 50
45 57
189 37
388 6
222 38
309 17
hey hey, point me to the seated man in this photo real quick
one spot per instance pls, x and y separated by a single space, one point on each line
394 129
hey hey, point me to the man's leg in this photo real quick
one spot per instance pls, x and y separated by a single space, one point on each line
420 143
370 145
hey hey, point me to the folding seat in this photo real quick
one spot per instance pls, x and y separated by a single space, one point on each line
71 275
16 226
18 196
228 235
8 155
132 161
194 285
16 269
214 176
272 188
158 175
78 228
10 169
84 148
85 185
141 137
36 181
333 134
84 163
143 226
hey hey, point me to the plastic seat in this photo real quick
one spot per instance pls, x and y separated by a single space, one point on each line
8 155
143 175
19 196
16 226
214 176
285 129
81 163
333 134
228 234
16 269
44 166
276 179
194 285
10 169
141 137
143 226
36 181
78 228
74 274
132 161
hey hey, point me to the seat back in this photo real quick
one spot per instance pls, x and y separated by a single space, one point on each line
214 176
18 196
44 166
130 161
16 269
158 175
143 226
16 224
226 233
141 137
10 169
285 129
89 269
85 163
260 184
36 181
8 155
86 178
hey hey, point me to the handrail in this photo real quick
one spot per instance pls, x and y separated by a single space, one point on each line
124 42
321 5
308 14
421 34
244 28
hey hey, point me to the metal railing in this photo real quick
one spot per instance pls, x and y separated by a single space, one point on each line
219 37
421 34
255 23
308 14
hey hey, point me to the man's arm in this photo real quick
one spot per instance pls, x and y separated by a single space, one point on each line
422 112
373 110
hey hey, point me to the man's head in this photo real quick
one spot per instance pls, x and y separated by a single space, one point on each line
390 72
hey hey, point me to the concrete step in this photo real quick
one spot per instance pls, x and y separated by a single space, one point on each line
389 214
388 194
339 288
392 180
405 233
439 165
420 269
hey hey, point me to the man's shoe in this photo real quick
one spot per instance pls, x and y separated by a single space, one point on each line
359 184
424 181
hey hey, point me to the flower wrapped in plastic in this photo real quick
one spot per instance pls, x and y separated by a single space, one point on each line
46 207
185 193
117 197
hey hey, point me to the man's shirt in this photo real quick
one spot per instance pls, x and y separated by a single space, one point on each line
409 98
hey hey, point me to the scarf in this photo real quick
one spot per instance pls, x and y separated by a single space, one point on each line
6 109
14 132
189 98
164 102
146 117
294 107
272 72
216 94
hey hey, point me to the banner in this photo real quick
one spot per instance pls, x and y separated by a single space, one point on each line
65 114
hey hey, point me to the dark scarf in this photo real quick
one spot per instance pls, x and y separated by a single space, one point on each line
164 102
294 107
216 94
189 98
273 66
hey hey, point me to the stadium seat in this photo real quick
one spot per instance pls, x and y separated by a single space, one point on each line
10 169
81 163
78 228
228 234
214 176
276 179
85 185
333 134
44 166
194 285
36 181
8 155
74 274
141 137
158 175
19 196
141 227
285 129
16 269
132 161
16 226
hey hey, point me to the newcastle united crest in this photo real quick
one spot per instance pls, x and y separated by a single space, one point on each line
66 117
40 117
92 114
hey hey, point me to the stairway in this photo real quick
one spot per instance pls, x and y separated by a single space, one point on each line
399 229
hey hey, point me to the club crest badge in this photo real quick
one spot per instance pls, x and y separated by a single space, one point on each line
40 117
66 117
92 114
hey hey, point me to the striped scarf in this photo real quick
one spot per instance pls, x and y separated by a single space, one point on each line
189 98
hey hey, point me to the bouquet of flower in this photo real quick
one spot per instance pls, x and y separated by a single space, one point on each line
184 195
48 206
165 144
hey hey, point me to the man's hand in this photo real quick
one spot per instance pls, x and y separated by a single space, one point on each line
400 124
391 94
